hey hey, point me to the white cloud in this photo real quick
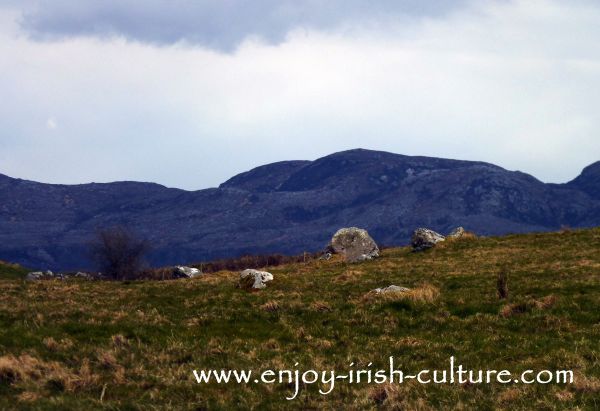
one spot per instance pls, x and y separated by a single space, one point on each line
513 83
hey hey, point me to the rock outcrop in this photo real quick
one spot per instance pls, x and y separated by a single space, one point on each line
355 244
424 238
254 280
186 272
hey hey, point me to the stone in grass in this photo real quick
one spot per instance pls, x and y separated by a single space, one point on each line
254 280
186 272
391 289
38 275
458 232
355 244
424 238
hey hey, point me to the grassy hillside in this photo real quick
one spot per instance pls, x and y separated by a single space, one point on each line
11 271
113 345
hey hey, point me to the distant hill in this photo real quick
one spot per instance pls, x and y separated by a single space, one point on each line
290 207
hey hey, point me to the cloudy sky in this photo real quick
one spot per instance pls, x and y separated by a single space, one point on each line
188 93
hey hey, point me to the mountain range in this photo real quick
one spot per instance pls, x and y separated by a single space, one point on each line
289 207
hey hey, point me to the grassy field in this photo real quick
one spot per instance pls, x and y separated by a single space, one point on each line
133 345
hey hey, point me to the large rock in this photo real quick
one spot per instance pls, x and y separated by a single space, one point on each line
424 238
254 280
186 272
355 244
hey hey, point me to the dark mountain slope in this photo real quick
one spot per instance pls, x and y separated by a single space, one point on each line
588 181
288 207
265 178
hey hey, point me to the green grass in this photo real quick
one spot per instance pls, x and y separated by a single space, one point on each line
63 344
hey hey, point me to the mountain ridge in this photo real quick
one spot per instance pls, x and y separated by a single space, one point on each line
289 207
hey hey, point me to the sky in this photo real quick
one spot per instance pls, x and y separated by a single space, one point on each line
189 93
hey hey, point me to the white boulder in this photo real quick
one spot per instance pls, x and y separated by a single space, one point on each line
254 280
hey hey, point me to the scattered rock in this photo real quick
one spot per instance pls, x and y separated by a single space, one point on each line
35 275
458 232
38 275
326 257
186 272
355 244
86 276
391 289
424 238
254 280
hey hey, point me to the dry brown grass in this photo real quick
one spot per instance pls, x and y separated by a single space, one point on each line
270 306
53 345
107 359
26 370
320 306
564 395
423 294
120 341
510 395
585 384
544 303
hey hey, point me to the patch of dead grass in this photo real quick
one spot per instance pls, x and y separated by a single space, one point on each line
270 306
25 370
423 294
523 307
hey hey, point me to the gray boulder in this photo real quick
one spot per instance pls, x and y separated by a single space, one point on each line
355 244
186 272
254 280
85 276
458 232
35 275
424 238
391 289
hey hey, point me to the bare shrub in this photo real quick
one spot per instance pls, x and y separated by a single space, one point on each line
119 253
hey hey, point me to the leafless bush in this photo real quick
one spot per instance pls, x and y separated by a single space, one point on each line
118 253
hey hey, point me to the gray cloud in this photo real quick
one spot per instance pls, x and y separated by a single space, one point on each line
514 83
218 24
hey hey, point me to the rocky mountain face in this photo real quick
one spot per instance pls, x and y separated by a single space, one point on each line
289 207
